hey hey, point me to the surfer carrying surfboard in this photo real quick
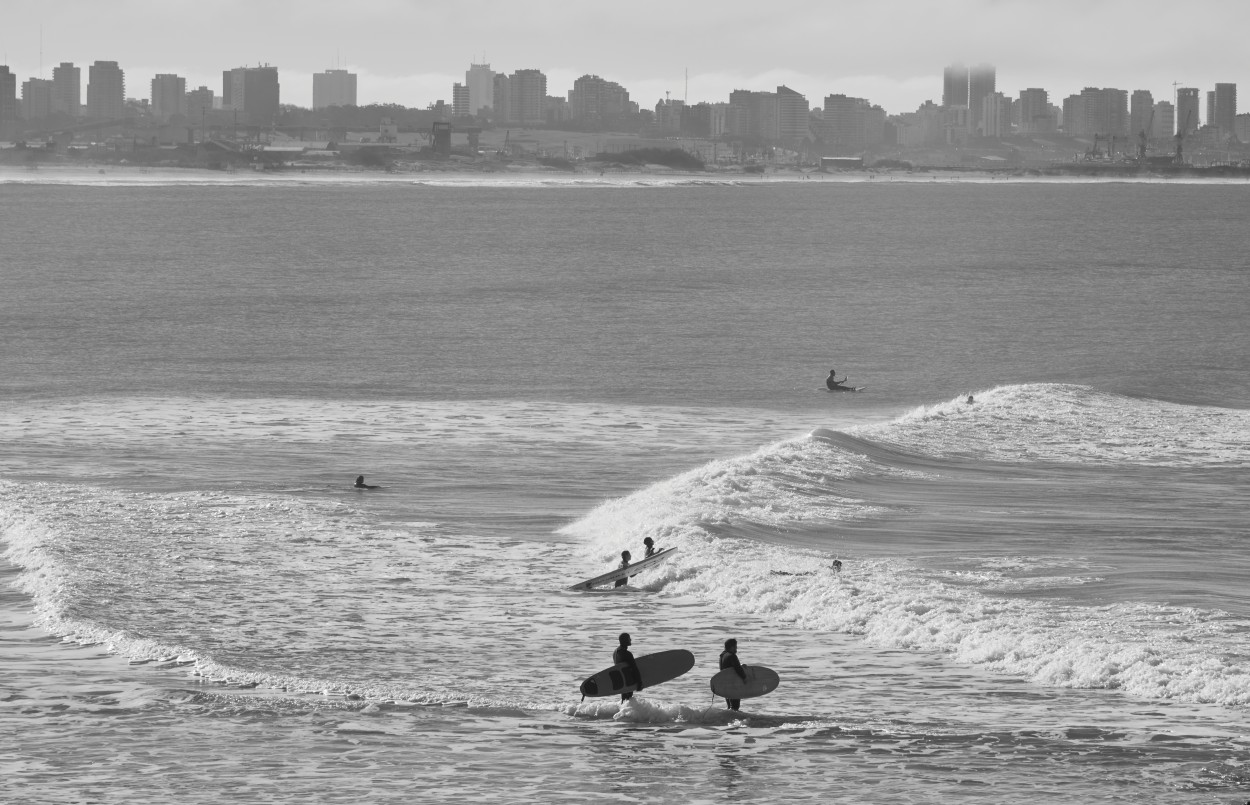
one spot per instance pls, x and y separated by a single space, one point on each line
625 656
729 659
650 543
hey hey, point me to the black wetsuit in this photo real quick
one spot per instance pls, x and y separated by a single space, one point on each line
624 655
623 581
831 383
728 659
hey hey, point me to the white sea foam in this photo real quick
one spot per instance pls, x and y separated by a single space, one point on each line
1065 423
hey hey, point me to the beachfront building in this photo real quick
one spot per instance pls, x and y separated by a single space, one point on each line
850 124
169 97
334 88
1036 115
1141 106
8 103
459 100
1223 109
594 101
704 120
1187 110
1241 128
480 81
1165 120
955 85
36 98
67 89
106 91
981 84
501 112
925 126
1096 111
793 117
527 98
253 91
995 115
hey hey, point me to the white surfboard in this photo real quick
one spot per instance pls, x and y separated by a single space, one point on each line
760 680
622 572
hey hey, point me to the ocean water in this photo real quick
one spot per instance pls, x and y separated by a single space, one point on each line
1040 499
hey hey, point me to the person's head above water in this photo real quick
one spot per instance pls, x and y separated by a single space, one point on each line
625 639
648 541
731 645
360 480
625 555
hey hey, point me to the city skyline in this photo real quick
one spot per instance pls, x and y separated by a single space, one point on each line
414 55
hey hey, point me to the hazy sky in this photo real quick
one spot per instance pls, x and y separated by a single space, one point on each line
411 51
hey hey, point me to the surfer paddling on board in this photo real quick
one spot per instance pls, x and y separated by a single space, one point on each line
360 483
832 382
625 557
623 655
729 659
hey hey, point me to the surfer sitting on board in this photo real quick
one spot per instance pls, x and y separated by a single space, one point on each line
624 655
832 382
625 557
360 483
729 659
650 543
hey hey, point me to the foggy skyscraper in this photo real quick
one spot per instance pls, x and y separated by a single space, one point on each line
981 81
955 85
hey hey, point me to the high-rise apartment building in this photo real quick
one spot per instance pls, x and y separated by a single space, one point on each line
1225 108
594 100
1140 109
502 110
169 96
480 80
1187 110
334 88
1102 112
851 123
254 91
106 91
955 85
459 100
199 104
1035 115
1165 120
8 103
995 115
981 83
793 116
528 91
36 98
67 89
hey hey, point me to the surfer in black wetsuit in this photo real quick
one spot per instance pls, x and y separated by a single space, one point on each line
831 382
625 557
624 655
360 483
729 659
650 543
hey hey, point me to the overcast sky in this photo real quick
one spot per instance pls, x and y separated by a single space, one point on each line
891 52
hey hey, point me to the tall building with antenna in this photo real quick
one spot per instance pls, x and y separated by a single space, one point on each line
479 80
334 88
